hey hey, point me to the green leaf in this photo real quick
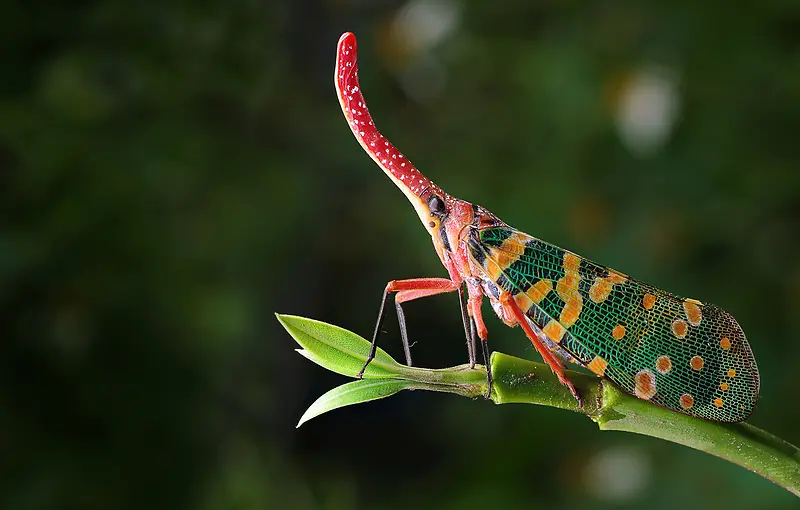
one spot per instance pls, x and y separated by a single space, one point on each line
354 392
337 349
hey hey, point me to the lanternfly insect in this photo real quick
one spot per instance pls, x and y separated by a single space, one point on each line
679 353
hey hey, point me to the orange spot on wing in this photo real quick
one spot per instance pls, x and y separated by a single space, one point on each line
680 328
599 290
731 373
514 244
697 363
567 289
648 301
539 291
572 262
521 300
602 287
554 331
570 313
723 386
645 384
616 278
725 343
508 253
693 313
598 365
663 364
687 401
718 402
618 332
494 270
505 258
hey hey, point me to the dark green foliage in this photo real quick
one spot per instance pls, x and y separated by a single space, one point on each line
172 173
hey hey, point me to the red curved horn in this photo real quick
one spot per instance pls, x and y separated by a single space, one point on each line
386 155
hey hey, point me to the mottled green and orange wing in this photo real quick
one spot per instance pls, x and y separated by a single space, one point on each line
675 352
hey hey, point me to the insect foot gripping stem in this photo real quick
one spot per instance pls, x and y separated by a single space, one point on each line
487 361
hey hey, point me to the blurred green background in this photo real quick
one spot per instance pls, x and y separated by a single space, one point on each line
172 174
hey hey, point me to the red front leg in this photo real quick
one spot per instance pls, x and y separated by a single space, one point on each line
415 288
407 290
510 305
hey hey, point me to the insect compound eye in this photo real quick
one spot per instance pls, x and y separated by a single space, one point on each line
436 205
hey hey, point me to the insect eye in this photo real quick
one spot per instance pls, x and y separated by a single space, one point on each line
436 205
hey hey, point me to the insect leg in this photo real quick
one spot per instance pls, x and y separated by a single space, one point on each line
401 320
381 316
486 359
407 290
475 308
469 327
477 325
555 364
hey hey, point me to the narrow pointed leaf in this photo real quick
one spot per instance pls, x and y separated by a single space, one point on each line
338 349
354 392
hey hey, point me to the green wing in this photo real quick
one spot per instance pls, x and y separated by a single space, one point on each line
678 353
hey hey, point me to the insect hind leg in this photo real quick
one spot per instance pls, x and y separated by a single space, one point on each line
554 347
556 365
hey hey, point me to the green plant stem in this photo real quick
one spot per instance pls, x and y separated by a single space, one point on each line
740 443
521 381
